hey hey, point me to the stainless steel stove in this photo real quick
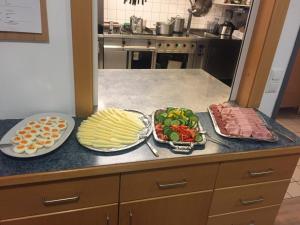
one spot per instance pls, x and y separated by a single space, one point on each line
150 51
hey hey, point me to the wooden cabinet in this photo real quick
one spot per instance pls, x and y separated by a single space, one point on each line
225 193
105 215
261 216
28 200
248 197
191 209
291 97
167 182
256 170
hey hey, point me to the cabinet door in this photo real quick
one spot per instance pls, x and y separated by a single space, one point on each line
106 215
191 209
260 216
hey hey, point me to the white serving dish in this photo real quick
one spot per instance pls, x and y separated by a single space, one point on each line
6 139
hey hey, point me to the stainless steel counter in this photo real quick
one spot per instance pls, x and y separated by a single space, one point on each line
194 36
147 90
151 37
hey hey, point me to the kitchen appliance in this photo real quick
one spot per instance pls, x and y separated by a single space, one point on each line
225 54
140 53
178 24
114 55
175 53
198 8
163 28
136 25
226 28
129 53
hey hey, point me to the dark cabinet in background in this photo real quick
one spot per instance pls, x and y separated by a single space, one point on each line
221 58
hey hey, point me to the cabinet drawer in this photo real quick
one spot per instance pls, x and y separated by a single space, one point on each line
167 181
248 197
191 209
91 216
58 196
263 216
256 170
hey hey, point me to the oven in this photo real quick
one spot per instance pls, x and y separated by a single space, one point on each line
175 54
140 53
140 59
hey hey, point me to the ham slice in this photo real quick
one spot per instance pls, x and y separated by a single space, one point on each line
240 122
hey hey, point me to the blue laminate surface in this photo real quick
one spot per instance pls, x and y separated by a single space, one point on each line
71 155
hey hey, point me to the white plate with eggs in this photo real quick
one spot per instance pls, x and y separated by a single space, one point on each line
37 135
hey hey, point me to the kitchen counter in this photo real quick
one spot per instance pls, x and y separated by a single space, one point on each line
72 160
195 35
150 37
147 90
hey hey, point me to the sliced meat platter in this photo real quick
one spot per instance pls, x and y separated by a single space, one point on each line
237 122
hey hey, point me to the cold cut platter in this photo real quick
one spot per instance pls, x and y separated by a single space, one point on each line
178 127
242 123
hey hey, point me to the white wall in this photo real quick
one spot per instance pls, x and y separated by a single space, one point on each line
283 54
157 10
37 77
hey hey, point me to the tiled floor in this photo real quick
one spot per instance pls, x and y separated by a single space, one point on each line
290 119
290 208
289 212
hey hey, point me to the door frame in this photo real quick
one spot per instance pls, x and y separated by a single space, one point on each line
268 26
82 36
269 23
287 76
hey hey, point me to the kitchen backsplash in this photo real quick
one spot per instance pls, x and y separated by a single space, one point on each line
158 10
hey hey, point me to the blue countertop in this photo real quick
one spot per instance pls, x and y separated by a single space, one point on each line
71 155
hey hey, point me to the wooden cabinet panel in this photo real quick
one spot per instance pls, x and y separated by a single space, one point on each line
256 170
50 197
106 215
248 197
167 182
263 216
191 209
292 91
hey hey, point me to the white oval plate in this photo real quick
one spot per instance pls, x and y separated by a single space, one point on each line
12 132
145 133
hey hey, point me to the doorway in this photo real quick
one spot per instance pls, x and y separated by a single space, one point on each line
287 108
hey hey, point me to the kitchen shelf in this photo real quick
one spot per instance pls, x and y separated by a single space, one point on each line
230 4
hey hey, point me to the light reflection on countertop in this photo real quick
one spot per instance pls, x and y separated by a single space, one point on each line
148 90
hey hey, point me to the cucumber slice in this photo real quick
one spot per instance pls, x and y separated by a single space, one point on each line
167 122
194 118
182 122
175 122
174 136
167 131
164 115
199 138
189 113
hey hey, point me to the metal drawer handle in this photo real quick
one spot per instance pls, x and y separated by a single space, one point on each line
251 223
257 174
61 201
172 185
107 220
251 202
130 217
